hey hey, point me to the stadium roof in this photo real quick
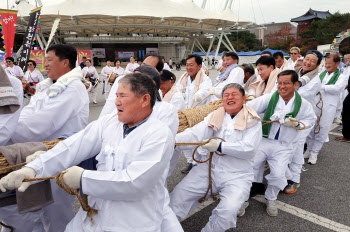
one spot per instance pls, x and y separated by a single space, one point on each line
127 17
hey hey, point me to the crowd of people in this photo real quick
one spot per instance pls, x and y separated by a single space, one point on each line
122 160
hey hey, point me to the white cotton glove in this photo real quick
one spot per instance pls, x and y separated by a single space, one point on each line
72 177
32 157
212 146
212 91
290 121
197 97
250 97
14 180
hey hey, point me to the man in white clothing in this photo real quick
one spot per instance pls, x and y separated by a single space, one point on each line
282 111
133 154
333 82
166 66
194 86
232 74
169 91
281 62
60 106
294 53
105 73
130 67
232 173
309 86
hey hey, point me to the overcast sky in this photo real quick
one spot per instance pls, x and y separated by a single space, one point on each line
259 11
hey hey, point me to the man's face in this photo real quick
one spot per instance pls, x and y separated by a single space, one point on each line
54 66
84 60
151 61
286 87
346 59
294 54
228 61
279 61
132 59
233 100
298 64
246 75
108 63
165 86
331 66
264 71
192 67
129 105
309 63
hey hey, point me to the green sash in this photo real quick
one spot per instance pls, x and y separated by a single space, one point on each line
271 109
334 78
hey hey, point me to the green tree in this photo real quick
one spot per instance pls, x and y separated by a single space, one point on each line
324 31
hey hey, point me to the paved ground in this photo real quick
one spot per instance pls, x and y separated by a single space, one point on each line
322 202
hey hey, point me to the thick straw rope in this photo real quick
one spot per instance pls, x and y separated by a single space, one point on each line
318 126
5 166
210 159
192 116
83 201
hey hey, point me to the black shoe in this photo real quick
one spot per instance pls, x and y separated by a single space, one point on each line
257 189
187 168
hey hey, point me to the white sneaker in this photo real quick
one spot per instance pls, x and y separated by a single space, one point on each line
338 121
271 208
241 211
306 154
313 158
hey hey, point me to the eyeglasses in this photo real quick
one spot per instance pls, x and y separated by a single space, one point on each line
9 61
294 53
30 64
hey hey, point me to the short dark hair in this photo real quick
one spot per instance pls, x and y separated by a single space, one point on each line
292 73
132 57
141 84
108 59
278 54
335 57
89 60
31 61
160 64
232 54
233 85
10 58
248 68
196 57
151 72
266 60
266 52
84 57
116 60
64 51
167 75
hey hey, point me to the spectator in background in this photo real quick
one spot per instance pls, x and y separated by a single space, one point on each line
166 66
249 75
83 63
294 54
13 69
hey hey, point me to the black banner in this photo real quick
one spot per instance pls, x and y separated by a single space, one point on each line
29 37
